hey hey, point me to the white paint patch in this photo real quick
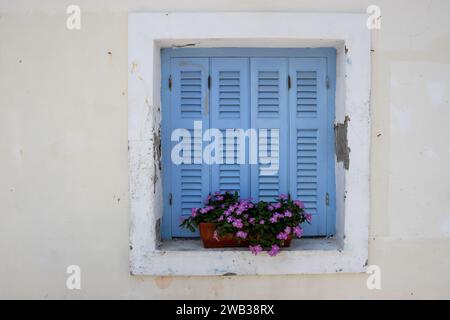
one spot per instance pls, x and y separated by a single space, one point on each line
429 153
436 92
401 120
445 226
394 83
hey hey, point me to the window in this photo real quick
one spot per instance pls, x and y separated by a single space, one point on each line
148 33
284 95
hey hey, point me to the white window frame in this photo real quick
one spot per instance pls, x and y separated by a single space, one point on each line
347 251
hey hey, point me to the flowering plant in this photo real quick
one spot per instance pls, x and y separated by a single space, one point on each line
262 224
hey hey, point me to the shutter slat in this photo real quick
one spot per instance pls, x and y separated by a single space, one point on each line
307 122
269 112
230 109
190 181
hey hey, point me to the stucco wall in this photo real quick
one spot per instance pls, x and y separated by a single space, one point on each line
64 168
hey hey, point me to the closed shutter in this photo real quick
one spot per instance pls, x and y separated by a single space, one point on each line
230 110
189 103
269 114
249 93
308 141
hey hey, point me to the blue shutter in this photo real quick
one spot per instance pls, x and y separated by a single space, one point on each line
189 103
230 109
269 110
308 140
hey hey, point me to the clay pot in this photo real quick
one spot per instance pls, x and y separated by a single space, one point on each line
207 234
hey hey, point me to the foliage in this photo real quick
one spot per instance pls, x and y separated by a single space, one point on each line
262 224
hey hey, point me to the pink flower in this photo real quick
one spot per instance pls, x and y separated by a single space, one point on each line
283 196
277 205
262 222
230 219
270 207
275 217
241 234
298 231
299 204
274 250
287 230
238 223
256 249
288 214
251 220
282 236
220 218
206 209
194 212
220 198
308 217
216 236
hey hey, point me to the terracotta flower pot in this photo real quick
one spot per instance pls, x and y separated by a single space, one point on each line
207 234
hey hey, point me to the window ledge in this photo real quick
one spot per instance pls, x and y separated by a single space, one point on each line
305 256
306 244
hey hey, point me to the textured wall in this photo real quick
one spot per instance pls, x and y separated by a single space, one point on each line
64 170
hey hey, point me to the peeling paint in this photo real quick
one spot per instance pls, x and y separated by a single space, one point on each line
341 143
134 67
185 45
158 231
157 147
156 157
163 282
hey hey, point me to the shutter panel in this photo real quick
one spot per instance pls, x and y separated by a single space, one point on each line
308 143
189 103
230 109
269 111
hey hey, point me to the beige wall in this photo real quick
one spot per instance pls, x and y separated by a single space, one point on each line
64 170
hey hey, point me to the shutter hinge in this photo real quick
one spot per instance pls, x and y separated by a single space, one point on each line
327 82
170 199
209 82
327 199
170 83
289 82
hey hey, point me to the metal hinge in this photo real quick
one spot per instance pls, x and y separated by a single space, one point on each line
170 83
289 82
209 82
170 199
327 199
327 82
